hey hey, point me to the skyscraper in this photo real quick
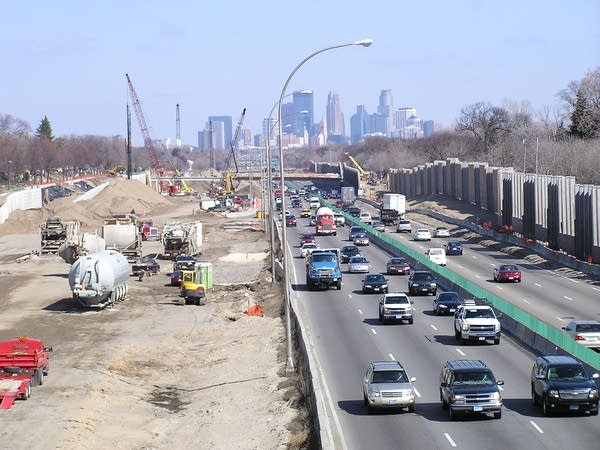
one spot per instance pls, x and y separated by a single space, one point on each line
225 141
303 115
402 115
428 128
386 109
335 117
359 124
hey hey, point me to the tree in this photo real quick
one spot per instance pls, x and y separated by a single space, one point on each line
583 123
45 129
488 123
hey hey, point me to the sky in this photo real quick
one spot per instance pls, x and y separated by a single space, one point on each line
67 59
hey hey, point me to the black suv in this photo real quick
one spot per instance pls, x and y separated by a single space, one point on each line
422 282
561 383
348 251
469 386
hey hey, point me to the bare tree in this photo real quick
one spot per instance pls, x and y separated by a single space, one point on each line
488 123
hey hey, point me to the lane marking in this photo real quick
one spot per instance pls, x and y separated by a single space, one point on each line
433 326
473 256
374 332
417 393
538 284
460 267
562 320
478 276
499 288
460 351
391 357
535 425
349 295
568 298
596 289
360 311
492 264
452 443
526 301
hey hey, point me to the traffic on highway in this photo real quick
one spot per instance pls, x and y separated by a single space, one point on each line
454 371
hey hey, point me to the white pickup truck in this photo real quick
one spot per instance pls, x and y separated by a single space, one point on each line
476 320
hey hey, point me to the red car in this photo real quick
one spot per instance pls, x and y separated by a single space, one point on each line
398 266
507 272
306 238
176 276
291 221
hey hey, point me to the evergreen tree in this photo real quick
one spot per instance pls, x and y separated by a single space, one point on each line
45 129
583 124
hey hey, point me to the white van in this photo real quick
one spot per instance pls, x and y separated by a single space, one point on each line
437 255
314 201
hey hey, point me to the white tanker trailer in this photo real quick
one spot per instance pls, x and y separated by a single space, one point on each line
99 279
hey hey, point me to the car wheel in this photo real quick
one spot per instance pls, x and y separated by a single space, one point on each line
498 415
594 412
451 414
365 401
435 311
385 291
534 399
444 403
410 321
456 334
411 408
545 407
381 319
496 341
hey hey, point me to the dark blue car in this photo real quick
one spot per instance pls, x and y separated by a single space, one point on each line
453 248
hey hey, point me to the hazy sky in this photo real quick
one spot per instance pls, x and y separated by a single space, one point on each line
67 59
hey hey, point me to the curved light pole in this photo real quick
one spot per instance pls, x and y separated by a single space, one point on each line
363 43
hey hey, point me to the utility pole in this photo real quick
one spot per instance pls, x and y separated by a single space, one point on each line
129 162
537 149
177 127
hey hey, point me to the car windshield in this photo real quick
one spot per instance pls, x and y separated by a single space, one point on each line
323 257
358 259
485 313
448 297
355 229
390 376
360 235
587 327
396 299
397 261
309 245
453 244
436 251
350 250
567 373
508 268
475 377
374 277
421 276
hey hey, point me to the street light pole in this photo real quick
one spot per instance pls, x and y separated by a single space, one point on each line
363 43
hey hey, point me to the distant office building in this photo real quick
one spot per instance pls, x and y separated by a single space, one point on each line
227 130
359 124
402 115
245 138
378 124
335 116
303 115
386 110
287 119
269 129
428 128
413 128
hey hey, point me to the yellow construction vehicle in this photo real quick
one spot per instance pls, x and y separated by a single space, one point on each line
228 186
364 175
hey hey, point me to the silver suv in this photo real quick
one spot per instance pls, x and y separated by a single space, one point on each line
403 226
395 306
387 385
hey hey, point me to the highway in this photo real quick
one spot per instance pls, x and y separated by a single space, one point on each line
345 335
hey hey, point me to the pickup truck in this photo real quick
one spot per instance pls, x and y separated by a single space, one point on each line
476 320
323 270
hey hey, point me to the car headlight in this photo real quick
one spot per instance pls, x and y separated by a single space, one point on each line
497 328
496 396
373 393
368 286
458 399
465 327
593 393
553 393
386 310
384 285
442 306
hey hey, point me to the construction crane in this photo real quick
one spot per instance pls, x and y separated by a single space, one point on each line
228 187
312 155
364 175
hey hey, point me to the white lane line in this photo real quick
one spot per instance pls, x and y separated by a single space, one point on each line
433 326
360 311
574 281
474 257
374 332
596 289
526 301
452 443
478 276
349 295
498 287
568 298
535 425
417 393
562 320
492 264
460 352
391 357
538 284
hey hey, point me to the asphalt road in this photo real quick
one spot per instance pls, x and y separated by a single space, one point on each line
345 336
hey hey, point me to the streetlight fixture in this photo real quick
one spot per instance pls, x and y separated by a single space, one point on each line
363 43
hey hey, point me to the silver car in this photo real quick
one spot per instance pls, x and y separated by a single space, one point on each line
361 239
358 264
585 332
378 225
403 226
387 385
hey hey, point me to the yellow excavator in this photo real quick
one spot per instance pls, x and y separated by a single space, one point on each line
228 186
364 175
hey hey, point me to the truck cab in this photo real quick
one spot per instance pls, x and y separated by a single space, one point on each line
476 320
323 270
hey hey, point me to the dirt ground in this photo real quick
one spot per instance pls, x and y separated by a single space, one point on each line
149 373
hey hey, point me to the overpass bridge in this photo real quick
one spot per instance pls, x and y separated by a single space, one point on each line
290 176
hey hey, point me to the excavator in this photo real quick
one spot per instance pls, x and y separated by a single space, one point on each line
228 179
364 175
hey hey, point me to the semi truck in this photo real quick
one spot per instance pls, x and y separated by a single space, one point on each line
348 195
123 235
396 202
325 222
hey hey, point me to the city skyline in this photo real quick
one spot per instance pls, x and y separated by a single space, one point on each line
69 63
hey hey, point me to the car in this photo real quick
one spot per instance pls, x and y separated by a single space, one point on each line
375 282
146 263
446 303
218 208
348 251
306 238
296 203
395 306
387 385
453 248
422 234
361 239
184 262
441 232
378 225
287 214
436 255
354 211
562 383
507 272
358 264
475 320
291 221
340 220
305 249
176 277
422 282
585 332
312 221
397 265
365 217
469 387
354 229
305 213
403 226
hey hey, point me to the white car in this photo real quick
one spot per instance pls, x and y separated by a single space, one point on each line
403 225
441 232
437 255
366 217
358 264
307 248
422 234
